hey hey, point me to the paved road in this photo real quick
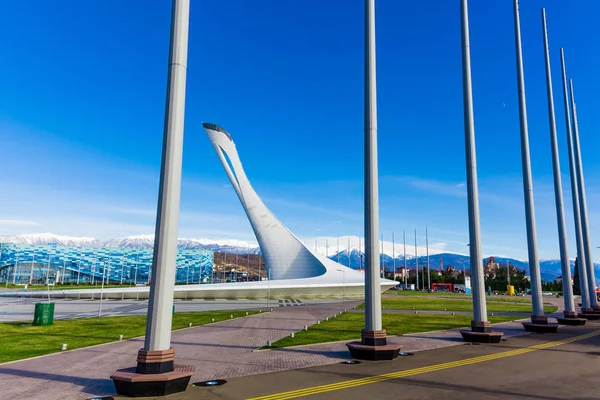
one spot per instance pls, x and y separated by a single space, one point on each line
563 366
223 350
21 309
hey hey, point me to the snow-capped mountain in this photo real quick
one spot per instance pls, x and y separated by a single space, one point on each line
135 242
49 238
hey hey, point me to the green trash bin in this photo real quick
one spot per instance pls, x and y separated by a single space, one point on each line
43 314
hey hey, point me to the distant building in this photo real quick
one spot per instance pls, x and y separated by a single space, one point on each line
49 264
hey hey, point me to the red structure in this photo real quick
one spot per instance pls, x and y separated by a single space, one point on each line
442 287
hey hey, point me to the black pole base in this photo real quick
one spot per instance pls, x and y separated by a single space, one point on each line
540 328
373 346
130 383
481 337
571 321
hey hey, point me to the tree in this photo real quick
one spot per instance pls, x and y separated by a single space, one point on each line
576 284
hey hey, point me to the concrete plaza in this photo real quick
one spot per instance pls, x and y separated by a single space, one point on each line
222 350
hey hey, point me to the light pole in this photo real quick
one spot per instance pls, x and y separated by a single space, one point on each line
102 287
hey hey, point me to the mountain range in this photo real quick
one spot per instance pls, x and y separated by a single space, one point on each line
550 269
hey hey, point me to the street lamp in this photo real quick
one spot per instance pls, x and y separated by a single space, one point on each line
102 287
343 285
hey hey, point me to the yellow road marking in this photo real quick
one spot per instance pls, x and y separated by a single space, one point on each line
294 394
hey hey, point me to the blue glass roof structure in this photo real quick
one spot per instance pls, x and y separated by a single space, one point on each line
24 263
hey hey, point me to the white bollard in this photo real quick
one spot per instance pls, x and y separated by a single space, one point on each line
190 324
318 322
305 327
326 318
268 343
231 316
120 337
292 334
246 312
64 347
259 311
213 320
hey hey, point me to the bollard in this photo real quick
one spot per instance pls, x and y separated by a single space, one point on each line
271 309
120 337
444 309
492 314
326 318
292 334
259 311
64 347
318 322
452 313
246 312
231 316
268 343
305 327
213 320
416 312
190 324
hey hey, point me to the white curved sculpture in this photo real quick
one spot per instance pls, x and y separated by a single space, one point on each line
285 255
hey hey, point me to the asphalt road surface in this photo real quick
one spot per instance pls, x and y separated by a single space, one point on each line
565 365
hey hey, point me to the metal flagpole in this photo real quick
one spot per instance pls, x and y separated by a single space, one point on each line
160 304
569 310
405 270
538 315
428 270
589 265
372 336
381 258
416 262
479 324
585 300
157 355
394 255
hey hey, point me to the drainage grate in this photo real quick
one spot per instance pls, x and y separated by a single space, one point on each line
405 354
350 362
214 382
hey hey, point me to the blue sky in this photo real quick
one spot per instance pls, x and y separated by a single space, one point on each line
82 108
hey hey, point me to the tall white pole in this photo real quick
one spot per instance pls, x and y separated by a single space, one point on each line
372 282
381 258
416 262
589 265
558 195
534 263
585 299
479 305
404 252
348 252
394 255
160 305
428 270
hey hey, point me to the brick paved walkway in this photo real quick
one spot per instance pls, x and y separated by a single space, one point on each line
217 351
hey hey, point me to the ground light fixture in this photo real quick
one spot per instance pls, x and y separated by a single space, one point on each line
350 362
212 382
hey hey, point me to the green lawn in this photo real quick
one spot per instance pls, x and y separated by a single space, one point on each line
435 304
348 326
410 293
18 342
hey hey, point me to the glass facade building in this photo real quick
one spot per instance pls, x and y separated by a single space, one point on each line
41 264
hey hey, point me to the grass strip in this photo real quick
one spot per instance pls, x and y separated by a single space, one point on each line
348 326
19 340
434 304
